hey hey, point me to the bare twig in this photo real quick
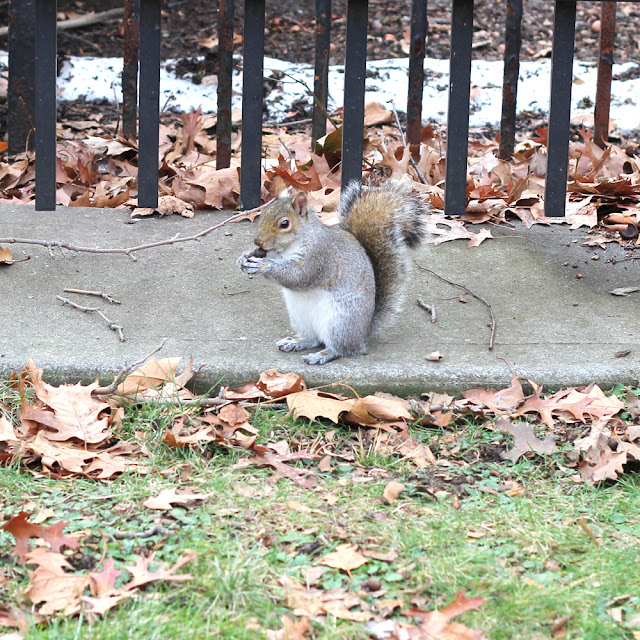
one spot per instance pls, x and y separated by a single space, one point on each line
154 530
414 164
316 100
81 21
585 527
431 310
100 294
471 293
130 250
112 325
113 387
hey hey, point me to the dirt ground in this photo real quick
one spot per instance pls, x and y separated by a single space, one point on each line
189 30
188 24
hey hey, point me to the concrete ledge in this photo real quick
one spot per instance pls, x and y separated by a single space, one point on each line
553 328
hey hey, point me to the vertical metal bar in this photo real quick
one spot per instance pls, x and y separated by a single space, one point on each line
148 145
513 44
560 107
455 199
225 76
130 69
321 73
252 89
605 62
21 91
45 116
419 28
355 70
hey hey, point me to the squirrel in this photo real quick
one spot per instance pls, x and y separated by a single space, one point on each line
343 283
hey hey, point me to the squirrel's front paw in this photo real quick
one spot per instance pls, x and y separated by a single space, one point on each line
250 263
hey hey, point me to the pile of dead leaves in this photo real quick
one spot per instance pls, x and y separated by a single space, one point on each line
96 168
56 587
72 430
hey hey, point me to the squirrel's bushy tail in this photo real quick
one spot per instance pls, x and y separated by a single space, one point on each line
385 220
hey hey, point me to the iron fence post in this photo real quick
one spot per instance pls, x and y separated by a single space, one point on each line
21 90
560 107
455 198
45 104
512 46
225 78
321 71
419 27
148 146
605 62
252 99
130 68
355 71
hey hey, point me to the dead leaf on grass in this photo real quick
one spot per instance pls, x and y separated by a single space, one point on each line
525 440
166 499
346 557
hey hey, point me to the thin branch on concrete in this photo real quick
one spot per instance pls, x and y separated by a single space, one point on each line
99 294
471 293
129 251
431 310
112 325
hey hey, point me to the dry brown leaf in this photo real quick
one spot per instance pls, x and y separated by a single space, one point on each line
277 385
66 412
166 499
370 410
315 404
346 557
151 375
525 440
51 586
142 575
392 491
291 630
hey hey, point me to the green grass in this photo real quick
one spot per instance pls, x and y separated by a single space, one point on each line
533 565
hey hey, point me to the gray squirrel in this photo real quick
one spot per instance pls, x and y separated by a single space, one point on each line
342 283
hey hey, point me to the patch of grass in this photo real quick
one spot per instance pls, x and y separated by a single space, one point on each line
455 527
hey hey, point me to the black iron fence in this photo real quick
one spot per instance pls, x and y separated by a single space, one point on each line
32 36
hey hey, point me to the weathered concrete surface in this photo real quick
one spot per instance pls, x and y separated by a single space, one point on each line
552 327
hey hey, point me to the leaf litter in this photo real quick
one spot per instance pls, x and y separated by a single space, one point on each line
76 431
96 168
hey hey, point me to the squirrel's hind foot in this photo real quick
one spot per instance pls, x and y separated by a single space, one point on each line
321 357
296 343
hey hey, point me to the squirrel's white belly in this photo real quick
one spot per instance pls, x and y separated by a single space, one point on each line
312 312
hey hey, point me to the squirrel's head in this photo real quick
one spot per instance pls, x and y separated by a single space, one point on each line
280 221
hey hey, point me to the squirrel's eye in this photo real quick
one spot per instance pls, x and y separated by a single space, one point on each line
284 223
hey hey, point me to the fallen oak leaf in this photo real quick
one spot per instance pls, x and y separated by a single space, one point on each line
315 404
346 557
302 477
370 410
290 630
392 491
142 575
67 411
277 385
525 440
166 499
22 531
609 465
6 257
104 581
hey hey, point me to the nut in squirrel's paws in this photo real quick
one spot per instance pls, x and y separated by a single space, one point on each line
251 261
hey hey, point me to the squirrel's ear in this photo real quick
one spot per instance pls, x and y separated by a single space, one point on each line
299 203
